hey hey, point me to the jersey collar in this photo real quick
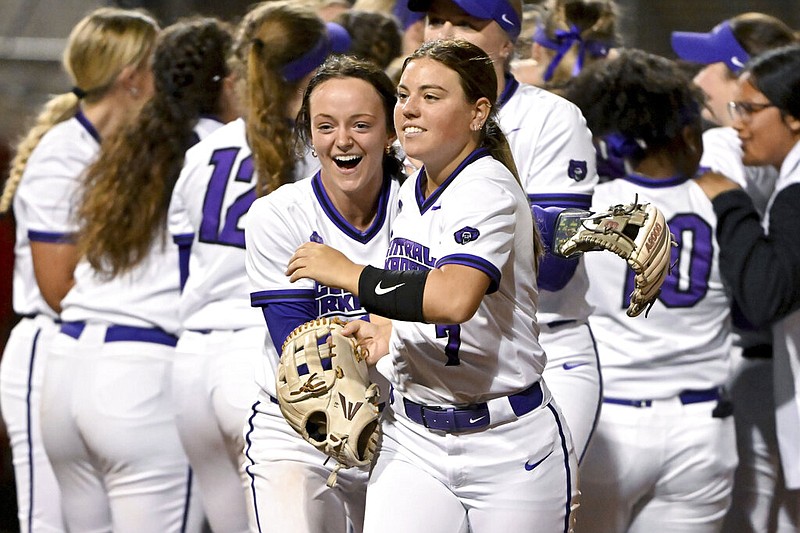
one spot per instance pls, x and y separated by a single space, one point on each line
508 91
88 126
655 183
426 203
340 222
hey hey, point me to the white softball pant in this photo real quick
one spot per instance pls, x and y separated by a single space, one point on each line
665 466
109 430
214 387
21 376
516 476
288 480
573 376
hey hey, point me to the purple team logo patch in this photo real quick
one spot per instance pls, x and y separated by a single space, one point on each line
577 170
316 238
466 234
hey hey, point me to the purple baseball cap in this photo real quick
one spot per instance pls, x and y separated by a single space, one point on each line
500 11
719 44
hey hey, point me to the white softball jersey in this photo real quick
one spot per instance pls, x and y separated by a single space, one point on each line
301 212
209 205
45 199
146 296
479 217
684 342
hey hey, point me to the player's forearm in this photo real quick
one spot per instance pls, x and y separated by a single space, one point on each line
453 294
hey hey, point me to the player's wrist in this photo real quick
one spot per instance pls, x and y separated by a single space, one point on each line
396 294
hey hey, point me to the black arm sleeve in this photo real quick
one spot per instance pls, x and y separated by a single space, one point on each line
762 271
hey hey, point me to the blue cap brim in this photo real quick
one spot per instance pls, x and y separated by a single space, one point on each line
718 45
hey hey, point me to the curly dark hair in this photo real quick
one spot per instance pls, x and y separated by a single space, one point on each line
126 193
638 95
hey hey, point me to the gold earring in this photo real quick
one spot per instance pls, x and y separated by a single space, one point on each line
388 149
313 152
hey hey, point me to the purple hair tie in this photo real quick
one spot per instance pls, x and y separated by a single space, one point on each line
564 39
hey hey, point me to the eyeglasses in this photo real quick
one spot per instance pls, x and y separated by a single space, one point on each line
744 110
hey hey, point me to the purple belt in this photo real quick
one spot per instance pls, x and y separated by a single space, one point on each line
456 419
124 333
686 397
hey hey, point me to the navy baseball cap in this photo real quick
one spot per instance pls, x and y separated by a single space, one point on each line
719 44
500 11
336 40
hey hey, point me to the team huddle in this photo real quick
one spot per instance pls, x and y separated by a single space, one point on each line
270 283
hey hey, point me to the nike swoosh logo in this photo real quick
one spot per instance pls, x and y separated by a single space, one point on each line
473 420
738 62
506 19
380 291
530 466
570 366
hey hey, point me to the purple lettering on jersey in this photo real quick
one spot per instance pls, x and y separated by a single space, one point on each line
231 232
316 238
336 302
404 254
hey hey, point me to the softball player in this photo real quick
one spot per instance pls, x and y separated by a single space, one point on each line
349 204
758 490
42 185
222 335
664 451
107 416
471 439
553 152
760 260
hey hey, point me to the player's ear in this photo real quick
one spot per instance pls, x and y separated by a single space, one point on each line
132 80
792 123
507 50
481 111
692 139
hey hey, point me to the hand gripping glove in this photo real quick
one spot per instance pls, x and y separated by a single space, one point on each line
636 232
325 393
